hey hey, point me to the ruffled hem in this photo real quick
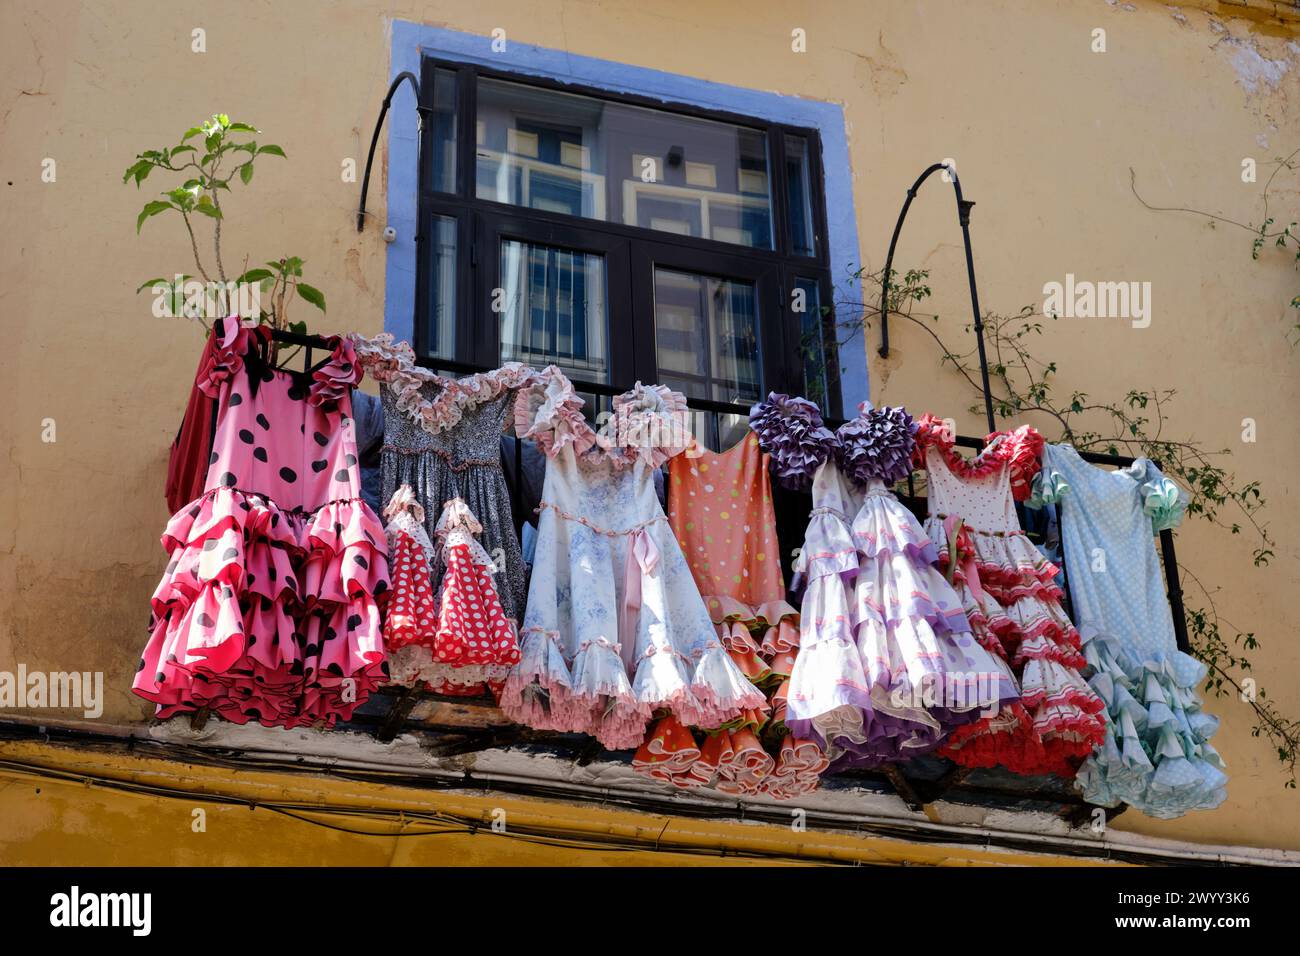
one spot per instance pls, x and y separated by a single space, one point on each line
1155 755
730 761
594 695
265 614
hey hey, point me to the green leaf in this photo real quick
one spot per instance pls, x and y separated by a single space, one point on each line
299 326
138 169
246 173
273 150
243 128
150 209
192 132
312 295
206 206
255 275
223 119
150 283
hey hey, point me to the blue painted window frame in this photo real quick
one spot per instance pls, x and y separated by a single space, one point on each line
411 42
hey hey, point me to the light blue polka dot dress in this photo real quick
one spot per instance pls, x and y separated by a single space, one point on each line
1156 756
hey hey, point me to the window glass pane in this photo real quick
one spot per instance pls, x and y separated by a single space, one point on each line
706 336
444 131
693 177
540 149
807 305
554 309
798 179
583 156
442 287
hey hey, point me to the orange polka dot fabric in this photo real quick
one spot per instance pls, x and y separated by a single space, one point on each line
720 509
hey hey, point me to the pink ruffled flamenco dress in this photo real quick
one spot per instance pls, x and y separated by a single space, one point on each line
268 608
615 629
720 509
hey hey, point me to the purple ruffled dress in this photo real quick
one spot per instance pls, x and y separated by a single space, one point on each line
887 664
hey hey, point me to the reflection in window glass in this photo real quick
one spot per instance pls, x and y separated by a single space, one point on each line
442 276
798 179
582 156
812 342
706 337
540 149
444 131
554 309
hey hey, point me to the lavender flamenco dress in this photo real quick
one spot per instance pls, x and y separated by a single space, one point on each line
887 664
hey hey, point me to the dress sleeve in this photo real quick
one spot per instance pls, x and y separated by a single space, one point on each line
878 444
931 431
337 377
1023 450
230 341
792 433
549 412
1049 485
651 423
1162 500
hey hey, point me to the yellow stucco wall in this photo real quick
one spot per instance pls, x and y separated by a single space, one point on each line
104 808
1043 130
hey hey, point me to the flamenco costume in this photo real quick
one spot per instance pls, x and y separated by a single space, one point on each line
615 628
1007 588
268 608
720 510
888 665
464 633
442 437
1156 754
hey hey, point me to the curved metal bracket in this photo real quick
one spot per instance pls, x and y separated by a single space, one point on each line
964 207
420 110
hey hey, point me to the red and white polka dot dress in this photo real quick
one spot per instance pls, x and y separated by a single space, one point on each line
412 615
460 641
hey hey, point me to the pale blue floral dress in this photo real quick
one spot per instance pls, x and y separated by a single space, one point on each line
1156 755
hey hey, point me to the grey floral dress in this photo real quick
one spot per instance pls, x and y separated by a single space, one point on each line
442 437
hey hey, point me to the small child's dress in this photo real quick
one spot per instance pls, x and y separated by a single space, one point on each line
442 437
1156 754
268 609
888 665
720 509
615 628
1007 588
460 637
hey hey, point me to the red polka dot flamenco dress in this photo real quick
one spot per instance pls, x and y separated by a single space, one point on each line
461 640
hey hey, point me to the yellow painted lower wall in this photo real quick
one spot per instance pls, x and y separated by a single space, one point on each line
51 815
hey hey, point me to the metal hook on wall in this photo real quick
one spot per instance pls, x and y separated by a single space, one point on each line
420 110
964 207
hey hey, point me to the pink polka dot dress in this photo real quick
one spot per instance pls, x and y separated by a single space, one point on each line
268 610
